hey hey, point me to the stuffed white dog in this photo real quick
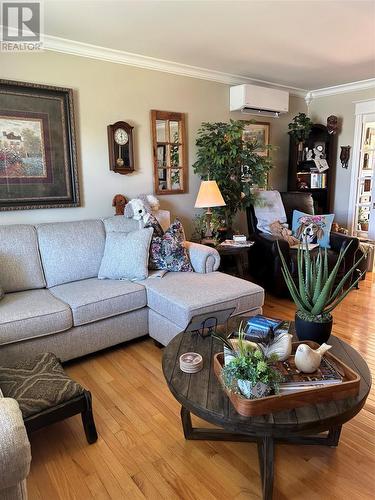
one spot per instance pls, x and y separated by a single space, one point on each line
151 201
137 210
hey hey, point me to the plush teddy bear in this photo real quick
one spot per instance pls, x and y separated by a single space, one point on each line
283 232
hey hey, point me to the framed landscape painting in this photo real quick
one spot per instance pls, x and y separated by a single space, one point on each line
38 161
259 133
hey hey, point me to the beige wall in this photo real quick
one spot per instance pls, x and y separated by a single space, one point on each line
343 106
108 92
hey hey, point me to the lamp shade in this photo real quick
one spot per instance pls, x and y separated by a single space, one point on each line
209 195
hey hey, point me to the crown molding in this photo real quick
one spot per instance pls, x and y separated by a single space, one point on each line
341 89
90 51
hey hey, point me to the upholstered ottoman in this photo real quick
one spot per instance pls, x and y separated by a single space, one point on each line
46 394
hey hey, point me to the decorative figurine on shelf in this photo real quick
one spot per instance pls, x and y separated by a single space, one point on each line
119 201
309 154
307 360
345 156
332 125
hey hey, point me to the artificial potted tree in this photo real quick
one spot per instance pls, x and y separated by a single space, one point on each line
225 157
316 293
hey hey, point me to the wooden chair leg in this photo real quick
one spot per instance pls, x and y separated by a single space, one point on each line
88 420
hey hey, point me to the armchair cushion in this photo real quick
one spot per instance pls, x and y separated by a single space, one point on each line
268 209
15 456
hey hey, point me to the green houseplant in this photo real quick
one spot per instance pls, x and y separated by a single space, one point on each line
300 128
224 156
248 371
316 294
362 220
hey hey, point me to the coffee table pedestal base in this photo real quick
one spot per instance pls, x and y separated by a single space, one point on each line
266 445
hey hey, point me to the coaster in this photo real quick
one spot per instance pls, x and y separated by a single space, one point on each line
191 362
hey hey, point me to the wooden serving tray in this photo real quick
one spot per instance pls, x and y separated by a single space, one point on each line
270 404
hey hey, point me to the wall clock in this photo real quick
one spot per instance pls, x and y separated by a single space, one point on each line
120 147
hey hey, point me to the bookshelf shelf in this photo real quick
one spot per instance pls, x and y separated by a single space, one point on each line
303 174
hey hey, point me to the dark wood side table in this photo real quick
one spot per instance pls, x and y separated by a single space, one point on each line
228 254
202 395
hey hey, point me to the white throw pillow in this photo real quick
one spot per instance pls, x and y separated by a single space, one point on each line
269 208
126 255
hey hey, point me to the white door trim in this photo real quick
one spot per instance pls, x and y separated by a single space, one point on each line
361 109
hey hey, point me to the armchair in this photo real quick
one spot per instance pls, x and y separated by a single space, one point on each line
265 264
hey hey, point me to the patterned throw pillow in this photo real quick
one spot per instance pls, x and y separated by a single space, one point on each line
1 293
167 249
312 228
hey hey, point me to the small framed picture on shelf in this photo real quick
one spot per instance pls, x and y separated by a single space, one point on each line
258 133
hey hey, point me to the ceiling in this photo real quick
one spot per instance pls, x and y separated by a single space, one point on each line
308 44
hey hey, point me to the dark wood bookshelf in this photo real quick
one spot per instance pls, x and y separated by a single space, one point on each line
323 196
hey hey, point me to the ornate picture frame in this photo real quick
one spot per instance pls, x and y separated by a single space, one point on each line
258 132
38 157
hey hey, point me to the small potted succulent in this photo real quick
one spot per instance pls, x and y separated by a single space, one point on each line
248 371
362 220
316 294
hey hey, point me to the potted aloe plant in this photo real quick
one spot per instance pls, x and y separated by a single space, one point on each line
316 294
248 371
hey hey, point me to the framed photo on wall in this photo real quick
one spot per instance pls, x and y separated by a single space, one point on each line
38 159
259 133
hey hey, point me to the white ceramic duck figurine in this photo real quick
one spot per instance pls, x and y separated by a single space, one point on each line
307 360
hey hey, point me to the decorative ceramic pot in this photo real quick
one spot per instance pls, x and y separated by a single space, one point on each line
250 391
311 330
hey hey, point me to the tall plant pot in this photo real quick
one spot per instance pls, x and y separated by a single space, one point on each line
311 330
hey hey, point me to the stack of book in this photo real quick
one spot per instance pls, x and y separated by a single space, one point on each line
262 328
295 381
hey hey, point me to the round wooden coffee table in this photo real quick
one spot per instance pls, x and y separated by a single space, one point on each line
202 395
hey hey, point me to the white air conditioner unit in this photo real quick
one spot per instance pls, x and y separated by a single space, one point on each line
256 100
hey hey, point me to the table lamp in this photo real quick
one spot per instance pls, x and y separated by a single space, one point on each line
209 196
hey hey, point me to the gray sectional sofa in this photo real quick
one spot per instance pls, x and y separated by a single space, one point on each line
55 302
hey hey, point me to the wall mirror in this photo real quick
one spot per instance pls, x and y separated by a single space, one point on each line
169 152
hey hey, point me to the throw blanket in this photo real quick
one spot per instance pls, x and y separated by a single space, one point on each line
268 209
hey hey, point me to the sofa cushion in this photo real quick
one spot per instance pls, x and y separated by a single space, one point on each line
20 266
94 299
179 296
33 313
71 251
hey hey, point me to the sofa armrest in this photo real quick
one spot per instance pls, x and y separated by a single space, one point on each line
15 455
204 259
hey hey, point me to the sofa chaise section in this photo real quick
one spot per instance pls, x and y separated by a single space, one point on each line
175 299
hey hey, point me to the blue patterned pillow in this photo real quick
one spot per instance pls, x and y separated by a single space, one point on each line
167 249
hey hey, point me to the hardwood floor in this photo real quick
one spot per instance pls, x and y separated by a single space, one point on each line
141 452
